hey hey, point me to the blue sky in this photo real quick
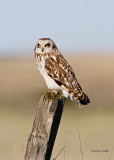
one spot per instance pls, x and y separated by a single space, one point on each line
72 24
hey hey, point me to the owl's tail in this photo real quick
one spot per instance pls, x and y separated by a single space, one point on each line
79 96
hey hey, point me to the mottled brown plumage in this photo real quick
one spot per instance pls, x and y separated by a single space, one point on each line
57 73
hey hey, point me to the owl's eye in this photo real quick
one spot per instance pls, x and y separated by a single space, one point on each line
38 45
47 45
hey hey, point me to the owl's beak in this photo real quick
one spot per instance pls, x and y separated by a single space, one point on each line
42 49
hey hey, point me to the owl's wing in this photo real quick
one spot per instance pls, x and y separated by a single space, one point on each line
62 73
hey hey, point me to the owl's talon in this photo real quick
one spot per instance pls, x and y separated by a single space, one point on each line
52 93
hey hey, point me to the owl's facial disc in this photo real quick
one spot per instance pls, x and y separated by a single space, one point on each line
44 46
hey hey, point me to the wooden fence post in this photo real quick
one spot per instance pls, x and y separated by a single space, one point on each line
48 115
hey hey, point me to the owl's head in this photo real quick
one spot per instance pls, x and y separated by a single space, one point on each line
44 45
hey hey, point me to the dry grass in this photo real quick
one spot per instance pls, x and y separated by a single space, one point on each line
20 88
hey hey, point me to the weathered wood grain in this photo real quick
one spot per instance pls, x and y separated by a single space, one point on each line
45 127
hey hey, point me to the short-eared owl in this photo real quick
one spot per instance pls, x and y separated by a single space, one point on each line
56 71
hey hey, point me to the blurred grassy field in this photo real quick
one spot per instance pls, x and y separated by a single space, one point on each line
21 86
